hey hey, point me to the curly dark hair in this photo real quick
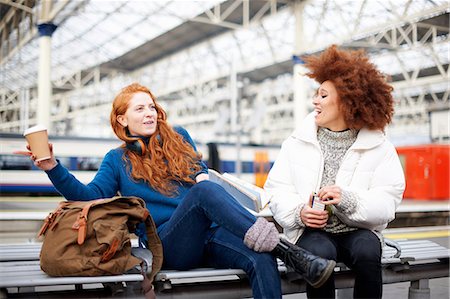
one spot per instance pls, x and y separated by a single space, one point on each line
365 95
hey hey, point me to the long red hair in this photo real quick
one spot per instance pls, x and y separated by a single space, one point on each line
169 158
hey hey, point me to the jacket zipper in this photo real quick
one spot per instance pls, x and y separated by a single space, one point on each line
319 179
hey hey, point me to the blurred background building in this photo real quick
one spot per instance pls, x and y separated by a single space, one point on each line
225 70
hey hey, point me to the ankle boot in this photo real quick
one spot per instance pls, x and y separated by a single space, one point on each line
315 270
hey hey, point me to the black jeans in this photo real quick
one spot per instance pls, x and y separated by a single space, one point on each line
360 250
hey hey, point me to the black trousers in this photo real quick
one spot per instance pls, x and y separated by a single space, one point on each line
360 250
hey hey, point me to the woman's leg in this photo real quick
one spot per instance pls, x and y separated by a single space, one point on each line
361 251
208 203
319 243
226 250
183 236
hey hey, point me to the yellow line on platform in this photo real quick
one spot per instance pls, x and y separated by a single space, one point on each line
418 235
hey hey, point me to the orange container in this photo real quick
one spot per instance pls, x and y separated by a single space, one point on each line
261 167
427 169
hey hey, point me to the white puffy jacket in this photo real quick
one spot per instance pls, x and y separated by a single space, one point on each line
370 168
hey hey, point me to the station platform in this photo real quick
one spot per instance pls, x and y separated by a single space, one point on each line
37 208
21 217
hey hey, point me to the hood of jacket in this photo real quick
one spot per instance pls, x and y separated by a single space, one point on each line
367 139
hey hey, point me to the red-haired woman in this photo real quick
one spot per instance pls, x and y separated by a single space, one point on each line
198 222
341 153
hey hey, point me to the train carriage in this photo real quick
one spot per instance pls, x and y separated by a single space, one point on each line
424 165
83 156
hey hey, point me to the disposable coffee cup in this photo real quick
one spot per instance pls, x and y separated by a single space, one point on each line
37 138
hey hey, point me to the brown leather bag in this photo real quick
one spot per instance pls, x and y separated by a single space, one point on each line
92 238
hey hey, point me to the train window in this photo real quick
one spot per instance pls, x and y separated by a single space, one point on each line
89 163
65 161
230 166
247 167
15 162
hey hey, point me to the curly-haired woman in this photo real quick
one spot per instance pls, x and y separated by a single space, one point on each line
340 152
198 222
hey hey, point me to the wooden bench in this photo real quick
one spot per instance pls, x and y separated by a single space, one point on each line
418 262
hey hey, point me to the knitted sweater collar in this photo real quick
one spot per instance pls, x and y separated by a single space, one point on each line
342 139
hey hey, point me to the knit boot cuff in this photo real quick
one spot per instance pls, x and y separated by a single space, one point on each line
262 236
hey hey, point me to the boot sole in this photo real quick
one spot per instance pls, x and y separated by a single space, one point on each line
325 275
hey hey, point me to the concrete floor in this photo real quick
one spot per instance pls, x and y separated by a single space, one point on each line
439 289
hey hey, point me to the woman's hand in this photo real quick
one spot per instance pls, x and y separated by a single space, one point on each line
45 165
330 195
313 218
202 177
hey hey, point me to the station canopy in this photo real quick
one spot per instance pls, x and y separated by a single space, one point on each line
95 32
90 33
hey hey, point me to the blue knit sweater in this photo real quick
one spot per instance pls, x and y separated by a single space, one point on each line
113 177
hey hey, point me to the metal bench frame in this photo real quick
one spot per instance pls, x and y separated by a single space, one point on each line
414 261
418 261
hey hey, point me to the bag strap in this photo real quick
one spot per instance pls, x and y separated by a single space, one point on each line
81 223
154 245
49 221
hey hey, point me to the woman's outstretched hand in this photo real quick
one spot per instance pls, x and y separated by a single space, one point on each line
45 165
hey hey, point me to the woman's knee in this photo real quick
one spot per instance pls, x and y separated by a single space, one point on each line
366 248
318 243
209 191
206 187
366 254
201 191
327 251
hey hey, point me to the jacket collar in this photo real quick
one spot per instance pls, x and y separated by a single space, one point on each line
366 139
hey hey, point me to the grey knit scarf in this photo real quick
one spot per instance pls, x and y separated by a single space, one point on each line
334 145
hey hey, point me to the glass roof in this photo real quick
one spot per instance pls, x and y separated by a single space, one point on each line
272 41
99 31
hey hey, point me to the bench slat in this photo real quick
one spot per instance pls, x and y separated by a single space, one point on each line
19 266
31 278
42 279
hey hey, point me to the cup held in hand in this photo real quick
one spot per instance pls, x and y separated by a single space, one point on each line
37 138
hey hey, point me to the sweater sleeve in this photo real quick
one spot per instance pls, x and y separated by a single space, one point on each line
104 184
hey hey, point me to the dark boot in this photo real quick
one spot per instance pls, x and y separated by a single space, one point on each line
315 270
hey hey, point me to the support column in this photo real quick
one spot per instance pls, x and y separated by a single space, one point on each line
300 82
44 73
24 97
344 293
419 289
236 85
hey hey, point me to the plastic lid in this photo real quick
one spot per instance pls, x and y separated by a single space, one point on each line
35 128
